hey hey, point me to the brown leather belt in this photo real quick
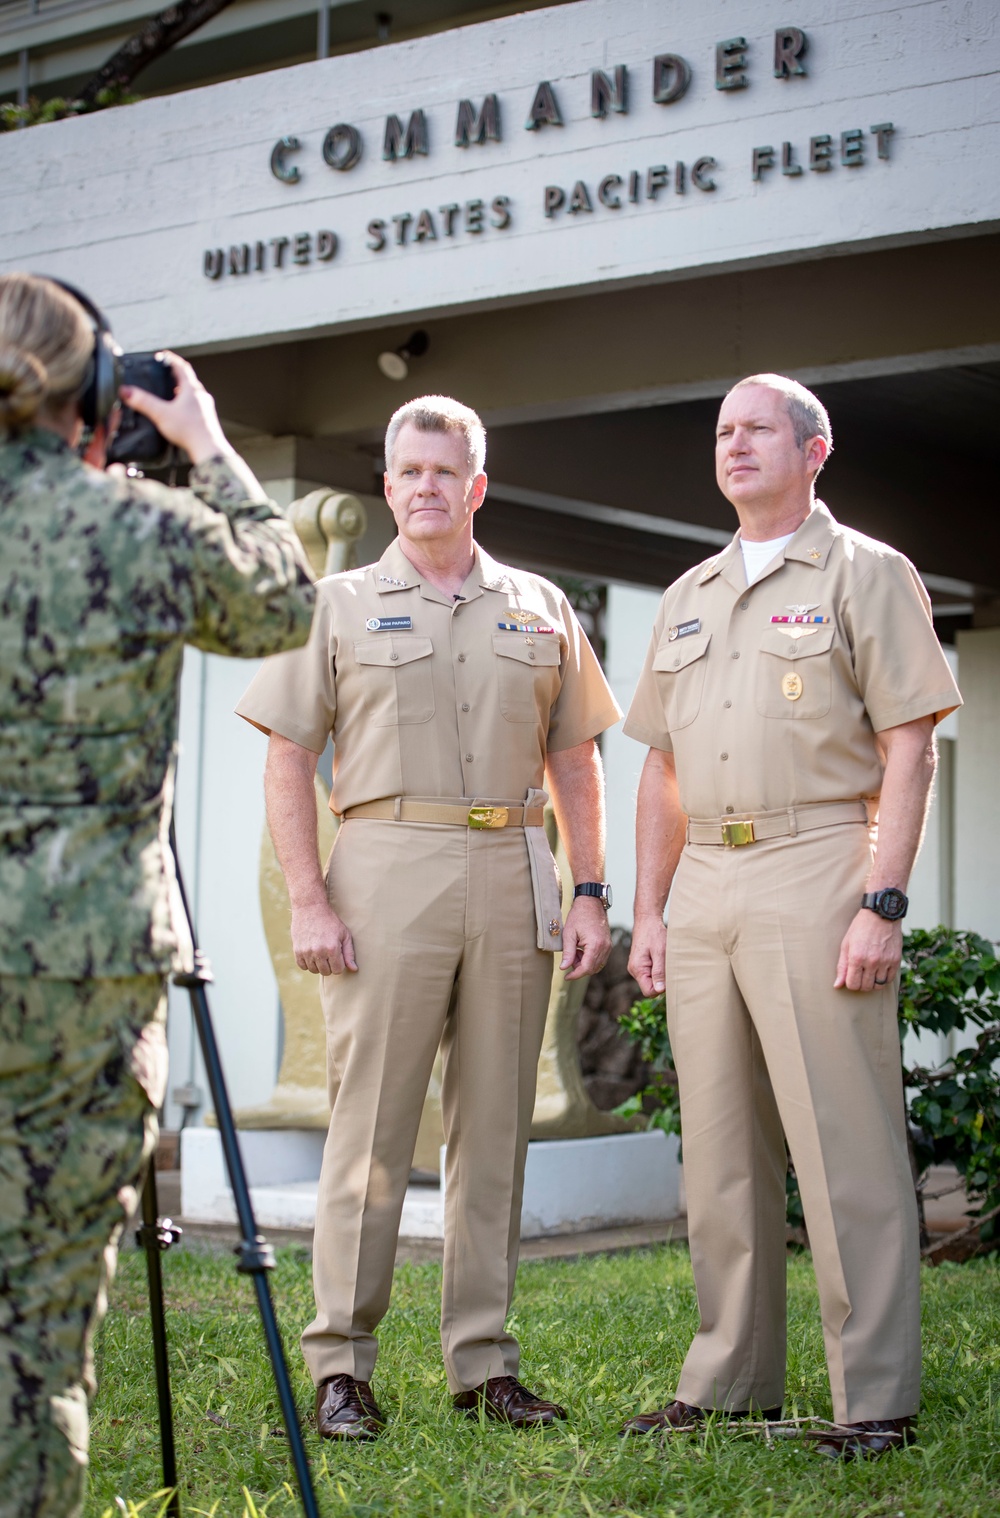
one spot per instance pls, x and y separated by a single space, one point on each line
734 832
465 814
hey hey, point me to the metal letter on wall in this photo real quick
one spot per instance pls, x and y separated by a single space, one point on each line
789 46
671 77
608 94
882 132
730 64
481 126
342 146
701 173
544 109
399 144
279 168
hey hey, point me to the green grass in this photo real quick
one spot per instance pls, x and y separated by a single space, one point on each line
604 1335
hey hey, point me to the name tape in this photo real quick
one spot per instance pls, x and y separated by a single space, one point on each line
389 624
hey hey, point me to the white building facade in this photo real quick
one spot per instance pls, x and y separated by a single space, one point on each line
600 214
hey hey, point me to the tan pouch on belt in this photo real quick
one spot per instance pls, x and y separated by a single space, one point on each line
545 884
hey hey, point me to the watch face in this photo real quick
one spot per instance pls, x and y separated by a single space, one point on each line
892 904
606 894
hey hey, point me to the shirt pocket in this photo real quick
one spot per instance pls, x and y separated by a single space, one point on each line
795 675
680 668
396 679
528 676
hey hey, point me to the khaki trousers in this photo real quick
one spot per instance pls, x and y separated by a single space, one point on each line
444 929
762 1045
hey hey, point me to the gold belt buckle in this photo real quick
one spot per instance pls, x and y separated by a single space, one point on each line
736 834
488 816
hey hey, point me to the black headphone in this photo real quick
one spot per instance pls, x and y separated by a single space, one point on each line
99 390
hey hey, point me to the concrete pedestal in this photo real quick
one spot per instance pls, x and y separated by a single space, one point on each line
570 1185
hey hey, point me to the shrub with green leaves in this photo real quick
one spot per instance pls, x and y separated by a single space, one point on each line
38 112
949 985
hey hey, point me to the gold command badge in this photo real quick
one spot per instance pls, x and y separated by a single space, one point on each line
672 635
555 926
524 617
791 687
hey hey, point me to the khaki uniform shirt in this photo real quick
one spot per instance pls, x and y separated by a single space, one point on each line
103 579
429 696
763 711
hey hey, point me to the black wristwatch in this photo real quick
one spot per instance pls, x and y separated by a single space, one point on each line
890 903
597 888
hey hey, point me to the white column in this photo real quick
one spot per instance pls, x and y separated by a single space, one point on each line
220 815
932 887
628 626
977 792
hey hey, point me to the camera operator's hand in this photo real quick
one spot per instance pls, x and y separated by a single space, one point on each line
189 419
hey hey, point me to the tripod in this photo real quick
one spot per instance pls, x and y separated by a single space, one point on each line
256 1257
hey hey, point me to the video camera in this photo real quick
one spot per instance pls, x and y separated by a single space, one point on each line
137 440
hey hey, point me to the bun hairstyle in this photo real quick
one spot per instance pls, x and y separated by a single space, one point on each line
46 346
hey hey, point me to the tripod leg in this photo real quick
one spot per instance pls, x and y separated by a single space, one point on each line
256 1256
149 1235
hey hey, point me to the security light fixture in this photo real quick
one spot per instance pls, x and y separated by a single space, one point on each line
394 362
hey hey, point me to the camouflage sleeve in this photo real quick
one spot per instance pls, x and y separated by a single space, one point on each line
250 584
230 482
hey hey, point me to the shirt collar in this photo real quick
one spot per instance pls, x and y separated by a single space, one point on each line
729 563
37 440
810 544
813 538
395 572
489 574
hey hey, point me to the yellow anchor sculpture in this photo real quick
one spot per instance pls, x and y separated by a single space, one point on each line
329 523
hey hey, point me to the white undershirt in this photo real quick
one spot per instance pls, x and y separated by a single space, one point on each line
757 556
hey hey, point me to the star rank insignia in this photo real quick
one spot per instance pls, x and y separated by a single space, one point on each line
389 580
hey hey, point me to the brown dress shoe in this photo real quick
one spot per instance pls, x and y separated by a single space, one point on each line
506 1400
346 1409
868 1440
683 1418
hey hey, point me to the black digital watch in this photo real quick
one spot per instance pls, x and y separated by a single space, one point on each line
891 903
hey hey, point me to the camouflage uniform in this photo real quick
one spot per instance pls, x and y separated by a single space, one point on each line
103 580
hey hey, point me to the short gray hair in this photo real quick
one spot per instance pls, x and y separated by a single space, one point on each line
439 413
806 412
